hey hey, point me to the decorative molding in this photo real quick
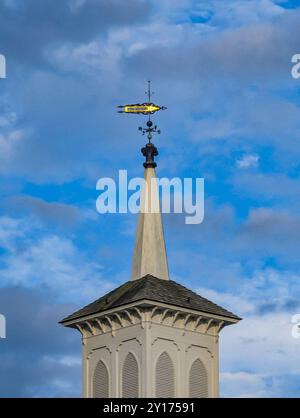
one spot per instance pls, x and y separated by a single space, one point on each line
141 314
165 313
83 334
169 317
120 319
153 311
104 347
100 325
220 326
91 328
197 323
126 341
111 323
208 324
186 320
175 318
129 316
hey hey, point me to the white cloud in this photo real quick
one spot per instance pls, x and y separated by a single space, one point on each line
243 385
236 303
35 259
10 230
277 188
8 143
65 360
259 349
76 5
103 57
229 13
247 161
96 58
241 12
265 290
262 346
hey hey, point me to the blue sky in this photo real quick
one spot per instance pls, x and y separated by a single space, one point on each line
223 69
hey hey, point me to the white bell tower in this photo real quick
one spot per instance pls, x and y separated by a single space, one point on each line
151 337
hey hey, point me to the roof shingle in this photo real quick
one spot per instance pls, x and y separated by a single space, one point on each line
153 289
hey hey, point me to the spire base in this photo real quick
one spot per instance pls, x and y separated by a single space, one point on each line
149 151
150 165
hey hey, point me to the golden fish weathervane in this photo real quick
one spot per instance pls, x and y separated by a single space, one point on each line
144 108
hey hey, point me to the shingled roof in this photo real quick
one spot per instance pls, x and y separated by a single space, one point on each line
153 289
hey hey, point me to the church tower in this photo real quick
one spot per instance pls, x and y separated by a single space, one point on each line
150 337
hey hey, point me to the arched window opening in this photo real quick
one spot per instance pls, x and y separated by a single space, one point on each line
101 381
130 377
198 381
165 377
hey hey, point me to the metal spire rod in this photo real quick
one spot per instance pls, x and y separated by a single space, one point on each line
150 130
149 92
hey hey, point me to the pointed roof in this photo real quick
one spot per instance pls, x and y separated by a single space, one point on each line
151 289
150 251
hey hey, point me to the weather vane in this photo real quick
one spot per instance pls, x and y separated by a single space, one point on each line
148 109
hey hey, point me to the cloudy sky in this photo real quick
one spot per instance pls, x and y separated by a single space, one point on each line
223 69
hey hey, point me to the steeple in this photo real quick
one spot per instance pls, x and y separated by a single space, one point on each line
150 252
150 337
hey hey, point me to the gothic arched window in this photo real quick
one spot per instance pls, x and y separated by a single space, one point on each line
198 381
130 377
101 381
165 377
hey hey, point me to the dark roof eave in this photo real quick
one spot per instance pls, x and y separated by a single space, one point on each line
71 322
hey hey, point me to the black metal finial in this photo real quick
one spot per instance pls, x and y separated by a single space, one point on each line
149 151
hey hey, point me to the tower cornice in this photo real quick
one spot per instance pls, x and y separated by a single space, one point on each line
148 313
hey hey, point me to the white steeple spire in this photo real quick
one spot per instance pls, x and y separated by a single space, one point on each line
150 251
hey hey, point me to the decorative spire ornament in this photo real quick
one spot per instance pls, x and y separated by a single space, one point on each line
149 108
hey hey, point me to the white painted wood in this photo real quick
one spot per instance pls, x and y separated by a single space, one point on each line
150 251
